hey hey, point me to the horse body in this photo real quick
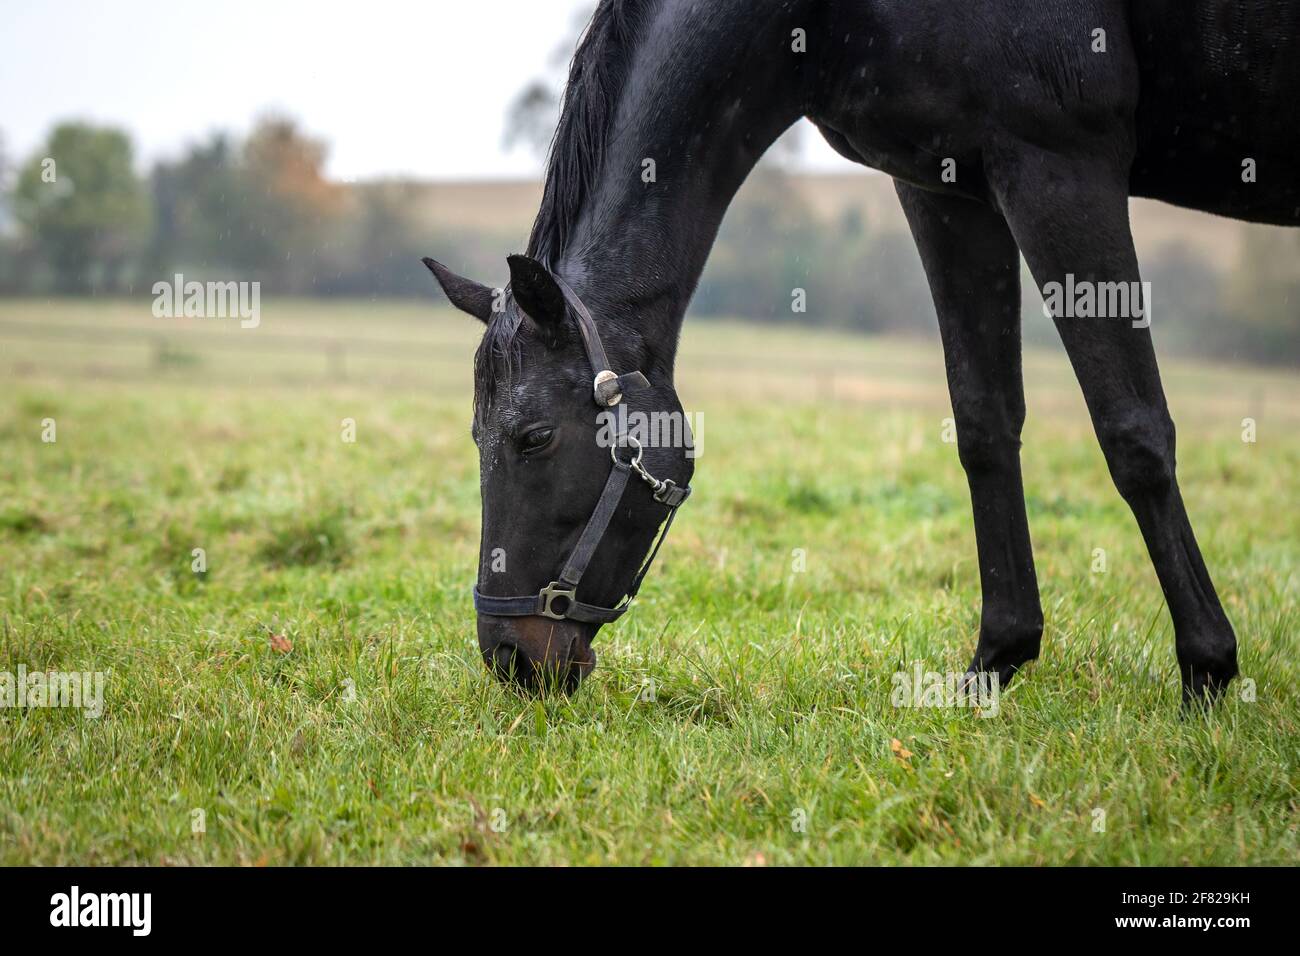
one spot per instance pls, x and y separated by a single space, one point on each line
1219 85
1008 128
1199 87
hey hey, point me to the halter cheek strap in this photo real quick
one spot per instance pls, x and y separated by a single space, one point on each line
559 599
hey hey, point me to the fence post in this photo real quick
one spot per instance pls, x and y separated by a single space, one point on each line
336 365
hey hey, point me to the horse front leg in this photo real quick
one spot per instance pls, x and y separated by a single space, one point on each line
973 267
1069 214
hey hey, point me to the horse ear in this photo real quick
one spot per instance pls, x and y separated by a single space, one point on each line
537 293
465 294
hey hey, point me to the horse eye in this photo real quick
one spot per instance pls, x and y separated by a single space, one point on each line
537 439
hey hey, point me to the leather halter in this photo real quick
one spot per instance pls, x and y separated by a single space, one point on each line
559 599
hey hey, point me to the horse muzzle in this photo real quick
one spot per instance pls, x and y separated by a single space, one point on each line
537 653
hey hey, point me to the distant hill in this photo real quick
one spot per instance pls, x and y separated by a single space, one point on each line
508 206
502 205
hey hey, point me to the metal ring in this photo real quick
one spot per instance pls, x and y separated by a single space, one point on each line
628 439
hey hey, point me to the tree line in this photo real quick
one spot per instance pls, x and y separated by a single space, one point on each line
258 209
76 218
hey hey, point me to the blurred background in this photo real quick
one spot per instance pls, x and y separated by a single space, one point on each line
322 153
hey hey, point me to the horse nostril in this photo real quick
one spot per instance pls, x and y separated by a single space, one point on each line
508 662
573 677
533 654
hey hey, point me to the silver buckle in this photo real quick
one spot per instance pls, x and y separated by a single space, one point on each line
601 378
548 595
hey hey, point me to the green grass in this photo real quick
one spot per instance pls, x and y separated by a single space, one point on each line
379 737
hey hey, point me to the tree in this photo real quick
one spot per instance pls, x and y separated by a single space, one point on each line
5 173
11 250
531 118
1265 294
199 205
532 115
292 208
82 208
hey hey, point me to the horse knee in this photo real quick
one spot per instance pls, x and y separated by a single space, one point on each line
988 444
1139 450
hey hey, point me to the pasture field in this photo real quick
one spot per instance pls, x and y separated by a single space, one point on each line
317 692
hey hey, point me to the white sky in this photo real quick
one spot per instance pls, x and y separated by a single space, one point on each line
397 87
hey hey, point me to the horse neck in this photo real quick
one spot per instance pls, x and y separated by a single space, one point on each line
710 89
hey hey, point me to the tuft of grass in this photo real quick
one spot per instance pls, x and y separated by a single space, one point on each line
806 499
321 539
23 521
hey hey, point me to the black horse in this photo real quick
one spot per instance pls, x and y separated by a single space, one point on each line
1009 126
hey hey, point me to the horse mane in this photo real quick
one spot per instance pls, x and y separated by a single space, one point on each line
597 76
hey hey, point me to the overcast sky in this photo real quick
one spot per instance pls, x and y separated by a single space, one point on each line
397 88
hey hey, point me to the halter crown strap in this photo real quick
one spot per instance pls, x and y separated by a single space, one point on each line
608 388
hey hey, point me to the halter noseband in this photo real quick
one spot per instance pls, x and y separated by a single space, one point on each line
559 600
